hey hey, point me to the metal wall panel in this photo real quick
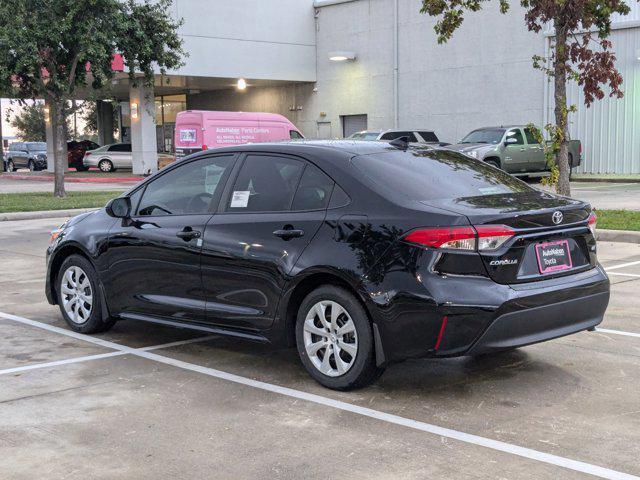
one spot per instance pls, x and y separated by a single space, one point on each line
610 128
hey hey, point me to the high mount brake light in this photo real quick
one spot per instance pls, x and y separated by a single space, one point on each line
482 237
593 219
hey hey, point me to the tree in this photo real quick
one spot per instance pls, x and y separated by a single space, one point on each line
64 45
30 123
89 114
572 57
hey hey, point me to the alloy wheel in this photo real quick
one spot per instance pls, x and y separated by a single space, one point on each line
330 338
76 295
105 166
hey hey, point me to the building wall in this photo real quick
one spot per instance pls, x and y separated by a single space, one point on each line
248 38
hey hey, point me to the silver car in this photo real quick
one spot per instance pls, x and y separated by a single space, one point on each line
110 157
415 136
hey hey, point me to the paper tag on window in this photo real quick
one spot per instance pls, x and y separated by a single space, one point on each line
240 199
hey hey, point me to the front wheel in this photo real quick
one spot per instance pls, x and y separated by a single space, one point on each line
32 166
493 163
79 296
10 166
335 339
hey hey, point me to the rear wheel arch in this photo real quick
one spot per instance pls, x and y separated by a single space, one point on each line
305 286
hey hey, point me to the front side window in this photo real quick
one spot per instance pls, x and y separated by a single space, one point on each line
517 134
295 135
265 184
186 190
314 190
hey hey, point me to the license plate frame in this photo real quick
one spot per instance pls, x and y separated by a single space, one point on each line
553 261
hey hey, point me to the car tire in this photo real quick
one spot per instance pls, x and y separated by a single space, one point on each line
106 166
32 166
79 296
11 166
81 168
357 364
493 163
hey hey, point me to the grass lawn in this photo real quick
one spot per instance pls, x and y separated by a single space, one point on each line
31 202
618 220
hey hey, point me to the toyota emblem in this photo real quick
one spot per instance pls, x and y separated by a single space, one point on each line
557 217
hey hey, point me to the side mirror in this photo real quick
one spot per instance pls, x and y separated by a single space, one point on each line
511 141
119 207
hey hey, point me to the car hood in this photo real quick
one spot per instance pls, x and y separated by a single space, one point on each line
468 147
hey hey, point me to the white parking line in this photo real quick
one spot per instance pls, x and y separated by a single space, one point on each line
99 356
497 445
618 332
624 274
622 265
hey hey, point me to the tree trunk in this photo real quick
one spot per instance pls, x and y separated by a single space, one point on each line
59 147
561 112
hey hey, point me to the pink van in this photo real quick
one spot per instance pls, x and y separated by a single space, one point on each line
202 129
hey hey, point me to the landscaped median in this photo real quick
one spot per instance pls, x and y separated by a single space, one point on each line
38 201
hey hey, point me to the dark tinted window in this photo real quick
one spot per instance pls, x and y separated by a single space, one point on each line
265 184
185 190
426 175
36 146
295 135
16 147
120 147
314 190
531 139
339 197
394 135
517 134
429 136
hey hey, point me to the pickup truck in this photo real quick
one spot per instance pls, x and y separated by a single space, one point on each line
512 148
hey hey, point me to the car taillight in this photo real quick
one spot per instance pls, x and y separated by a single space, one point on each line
593 219
86 154
482 237
204 147
492 237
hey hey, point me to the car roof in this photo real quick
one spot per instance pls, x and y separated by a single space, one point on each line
499 126
352 147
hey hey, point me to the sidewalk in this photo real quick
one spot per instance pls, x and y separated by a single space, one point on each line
75 177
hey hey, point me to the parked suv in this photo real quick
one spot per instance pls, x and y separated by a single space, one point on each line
109 158
358 253
414 136
31 155
513 149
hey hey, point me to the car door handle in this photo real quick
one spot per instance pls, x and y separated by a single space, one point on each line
187 233
522 149
288 233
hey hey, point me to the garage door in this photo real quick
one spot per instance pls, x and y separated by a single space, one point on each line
353 123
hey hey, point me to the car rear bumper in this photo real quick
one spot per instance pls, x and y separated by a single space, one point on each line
545 322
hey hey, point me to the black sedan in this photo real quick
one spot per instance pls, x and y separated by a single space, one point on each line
358 253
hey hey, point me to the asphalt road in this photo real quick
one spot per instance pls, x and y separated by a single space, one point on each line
210 407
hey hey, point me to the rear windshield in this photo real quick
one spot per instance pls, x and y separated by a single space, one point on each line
435 174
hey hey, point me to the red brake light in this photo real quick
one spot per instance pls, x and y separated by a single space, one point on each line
86 154
593 219
204 147
482 237
459 238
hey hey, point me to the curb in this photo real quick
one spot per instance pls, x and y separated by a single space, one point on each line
627 236
47 178
12 216
604 180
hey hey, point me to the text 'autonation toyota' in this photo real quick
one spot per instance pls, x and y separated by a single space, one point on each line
358 253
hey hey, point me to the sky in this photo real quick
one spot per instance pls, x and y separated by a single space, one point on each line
7 130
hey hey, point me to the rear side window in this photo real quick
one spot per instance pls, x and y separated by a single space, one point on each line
120 147
429 136
394 135
265 184
429 175
314 190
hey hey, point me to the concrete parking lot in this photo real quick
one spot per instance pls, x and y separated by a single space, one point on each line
147 401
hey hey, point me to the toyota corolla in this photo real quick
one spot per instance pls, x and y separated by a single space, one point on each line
360 254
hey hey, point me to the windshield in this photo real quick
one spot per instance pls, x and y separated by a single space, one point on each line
487 135
36 146
435 174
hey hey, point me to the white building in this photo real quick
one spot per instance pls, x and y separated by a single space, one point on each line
400 76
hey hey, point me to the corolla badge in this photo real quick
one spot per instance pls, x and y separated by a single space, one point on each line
499 263
557 217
